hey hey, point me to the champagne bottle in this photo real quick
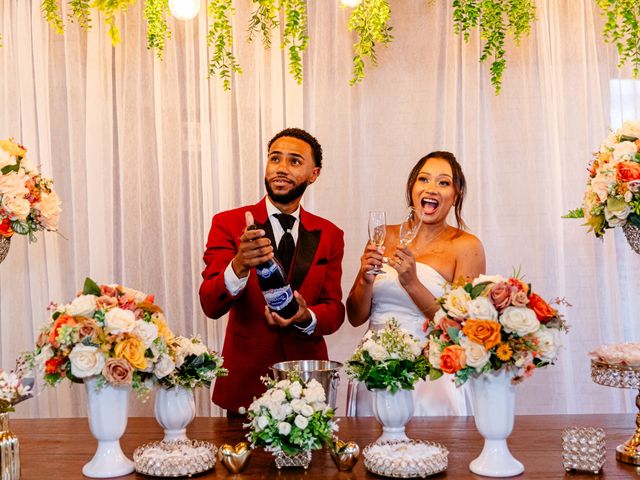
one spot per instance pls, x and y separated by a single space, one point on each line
275 288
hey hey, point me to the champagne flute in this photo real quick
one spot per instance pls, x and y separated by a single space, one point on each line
377 232
410 225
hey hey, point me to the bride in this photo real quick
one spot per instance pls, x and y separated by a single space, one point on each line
415 275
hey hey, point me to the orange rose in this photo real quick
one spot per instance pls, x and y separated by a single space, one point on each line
52 365
627 171
5 228
62 320
484 332
541 308
452 359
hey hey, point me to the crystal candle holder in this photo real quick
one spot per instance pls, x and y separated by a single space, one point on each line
583 448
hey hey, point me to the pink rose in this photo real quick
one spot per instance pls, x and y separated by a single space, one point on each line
89 328
118 371
501 295
519 299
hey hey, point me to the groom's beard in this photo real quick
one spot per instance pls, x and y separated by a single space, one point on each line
288 197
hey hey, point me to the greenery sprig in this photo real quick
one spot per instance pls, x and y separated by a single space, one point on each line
263 20
220 37
622 28
51 13
155 13
295 37
496 19
81 12
370 21
109 8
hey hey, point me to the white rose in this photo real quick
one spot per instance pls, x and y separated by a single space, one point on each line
49 207
307 410
118 320
278 396
278 412
284 428
315 394
481 308
198 348
477 355
548 344
456 303
136 294
147 331
82 306
164 366
301 422
297 405
14 184
520 359
609 142
295 389
377 352
601 183
86 361
18 207
631 129
520 320
261 422
434 353
624 151
488 278
283 384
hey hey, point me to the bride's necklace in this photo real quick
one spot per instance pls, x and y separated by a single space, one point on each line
425 244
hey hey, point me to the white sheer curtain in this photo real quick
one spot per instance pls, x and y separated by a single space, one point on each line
144 152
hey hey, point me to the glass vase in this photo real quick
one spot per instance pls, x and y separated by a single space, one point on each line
9 451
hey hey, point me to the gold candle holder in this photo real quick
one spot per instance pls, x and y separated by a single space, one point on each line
9 451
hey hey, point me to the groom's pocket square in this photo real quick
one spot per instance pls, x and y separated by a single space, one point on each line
322 261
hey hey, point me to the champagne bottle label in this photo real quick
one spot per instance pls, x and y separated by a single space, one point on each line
278 298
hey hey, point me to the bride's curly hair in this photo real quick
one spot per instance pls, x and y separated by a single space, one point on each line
459 182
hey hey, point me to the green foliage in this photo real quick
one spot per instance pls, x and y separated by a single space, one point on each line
80 12
220 37
1 41
109 8
155 13
51 12
496 19
91 288
370 22
576 213
622 28
263 20
295 36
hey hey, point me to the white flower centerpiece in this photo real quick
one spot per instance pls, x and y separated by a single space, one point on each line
290 419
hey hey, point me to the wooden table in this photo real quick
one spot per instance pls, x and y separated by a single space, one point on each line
58 448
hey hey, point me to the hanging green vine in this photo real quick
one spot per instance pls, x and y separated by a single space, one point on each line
496 19
370 21
80 12
51 12
109 8
622 28
220 37
263 20
295 36
155 13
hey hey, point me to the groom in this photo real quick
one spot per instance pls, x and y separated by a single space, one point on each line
310 249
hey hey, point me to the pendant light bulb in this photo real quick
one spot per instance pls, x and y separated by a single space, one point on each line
351 3
184 9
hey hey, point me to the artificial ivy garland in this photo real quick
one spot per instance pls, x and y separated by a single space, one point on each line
622 28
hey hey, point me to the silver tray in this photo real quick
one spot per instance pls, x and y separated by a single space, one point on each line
182 458
403 459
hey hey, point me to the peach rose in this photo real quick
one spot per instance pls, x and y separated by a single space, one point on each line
484 332
89 328
62 320
118 371
501 295
452 359
445 324
519 298
132 349
628 171
541 308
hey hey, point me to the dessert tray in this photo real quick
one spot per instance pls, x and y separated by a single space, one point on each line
174 459
405 459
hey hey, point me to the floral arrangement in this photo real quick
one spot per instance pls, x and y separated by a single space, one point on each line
13 387
290 417
491 323
188 363
613 189
390 358
113 332
28 202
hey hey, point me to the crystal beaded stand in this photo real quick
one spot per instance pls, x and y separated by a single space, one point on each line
411 464
621 376
583 448
301 459
174 459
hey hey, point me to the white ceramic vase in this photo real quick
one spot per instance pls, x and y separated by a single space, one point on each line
174 408
493 398
393 411
108 415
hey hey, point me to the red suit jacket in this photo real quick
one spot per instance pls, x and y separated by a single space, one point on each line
251 345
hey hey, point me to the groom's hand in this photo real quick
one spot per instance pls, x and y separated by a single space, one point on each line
301 316
253 250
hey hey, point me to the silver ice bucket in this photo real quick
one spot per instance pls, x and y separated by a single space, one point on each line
324 371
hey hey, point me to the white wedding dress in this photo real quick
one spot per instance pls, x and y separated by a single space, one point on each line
431 398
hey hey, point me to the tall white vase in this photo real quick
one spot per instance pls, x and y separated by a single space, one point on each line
108 415
174 408
493 397
393 411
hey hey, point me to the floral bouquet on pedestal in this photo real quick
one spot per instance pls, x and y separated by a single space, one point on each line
613 188
290 419
13 390
28 202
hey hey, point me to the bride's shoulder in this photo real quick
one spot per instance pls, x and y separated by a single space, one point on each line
466 241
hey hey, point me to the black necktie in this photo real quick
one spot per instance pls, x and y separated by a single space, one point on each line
286 247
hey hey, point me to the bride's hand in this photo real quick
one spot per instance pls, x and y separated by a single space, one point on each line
370 260
405 264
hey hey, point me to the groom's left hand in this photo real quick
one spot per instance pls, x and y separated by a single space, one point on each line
302 316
